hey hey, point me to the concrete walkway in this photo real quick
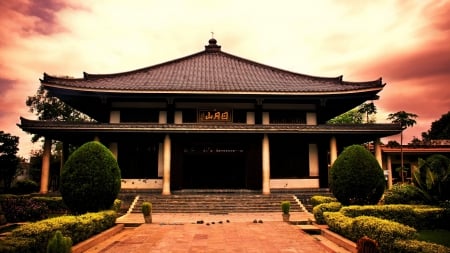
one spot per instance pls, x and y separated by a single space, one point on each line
234 232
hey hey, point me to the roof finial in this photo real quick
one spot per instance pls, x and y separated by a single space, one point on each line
212 46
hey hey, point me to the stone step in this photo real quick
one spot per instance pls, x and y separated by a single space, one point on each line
216 203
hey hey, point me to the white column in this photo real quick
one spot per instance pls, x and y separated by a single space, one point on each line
166 164
45 170
389 168
160 160
265 165
265 118
313 160
333 150
378 156
162 117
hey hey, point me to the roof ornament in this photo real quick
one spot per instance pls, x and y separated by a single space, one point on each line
212 46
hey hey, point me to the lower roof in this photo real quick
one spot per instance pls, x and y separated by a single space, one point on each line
58 128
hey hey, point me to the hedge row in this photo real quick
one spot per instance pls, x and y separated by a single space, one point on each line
325 207
417 216
317 200
33 237
383 231
391 236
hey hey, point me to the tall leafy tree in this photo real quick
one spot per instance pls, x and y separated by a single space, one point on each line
9 162
47 107
351 117
440 129
367 109
405 119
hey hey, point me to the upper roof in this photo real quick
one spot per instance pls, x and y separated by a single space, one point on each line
211 71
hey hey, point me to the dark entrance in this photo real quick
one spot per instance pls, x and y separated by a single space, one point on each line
214 166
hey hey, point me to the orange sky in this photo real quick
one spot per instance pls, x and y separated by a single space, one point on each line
407 43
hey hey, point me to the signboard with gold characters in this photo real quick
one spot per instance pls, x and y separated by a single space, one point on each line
215 115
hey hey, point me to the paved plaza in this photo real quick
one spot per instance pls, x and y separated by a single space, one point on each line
239 232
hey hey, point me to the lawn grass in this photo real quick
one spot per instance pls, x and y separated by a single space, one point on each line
439 236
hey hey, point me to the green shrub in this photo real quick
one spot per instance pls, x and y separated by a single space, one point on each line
403 194
317 200
383 231
59 244
356 178
54 204
418 216
23 208
325 207
146 208
78 228
285 206
90 179
413 246
25 186
116 206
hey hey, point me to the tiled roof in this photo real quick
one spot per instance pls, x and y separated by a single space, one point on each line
211 71
59 126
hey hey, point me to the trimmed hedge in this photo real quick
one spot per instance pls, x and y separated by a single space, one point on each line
403 194
383 231
33 237
419 216
413 246
325 207
317 200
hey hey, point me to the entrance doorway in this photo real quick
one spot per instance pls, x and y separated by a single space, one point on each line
214 168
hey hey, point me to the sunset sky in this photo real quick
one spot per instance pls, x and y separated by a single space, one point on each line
407 43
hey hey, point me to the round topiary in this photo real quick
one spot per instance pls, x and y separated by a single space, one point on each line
90 180
356 178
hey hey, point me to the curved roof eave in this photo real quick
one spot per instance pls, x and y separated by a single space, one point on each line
56 87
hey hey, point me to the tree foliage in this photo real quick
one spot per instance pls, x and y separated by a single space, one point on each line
90 180
405 120
47 107
433 177
356 178
368 109
351 117
440 129
9 162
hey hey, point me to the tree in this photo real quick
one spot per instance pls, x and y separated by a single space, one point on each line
368 109
47 107
351 117
405 119
9 162
90 180
440 129
356 178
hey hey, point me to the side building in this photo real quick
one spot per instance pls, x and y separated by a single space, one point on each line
212 120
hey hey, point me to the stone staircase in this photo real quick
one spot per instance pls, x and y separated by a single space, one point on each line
216 203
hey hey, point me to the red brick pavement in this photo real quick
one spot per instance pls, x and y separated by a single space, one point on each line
240 234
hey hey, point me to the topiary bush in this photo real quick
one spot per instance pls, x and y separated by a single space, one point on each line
90 180
356 178
403 194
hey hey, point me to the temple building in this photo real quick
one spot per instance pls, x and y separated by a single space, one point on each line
213 120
